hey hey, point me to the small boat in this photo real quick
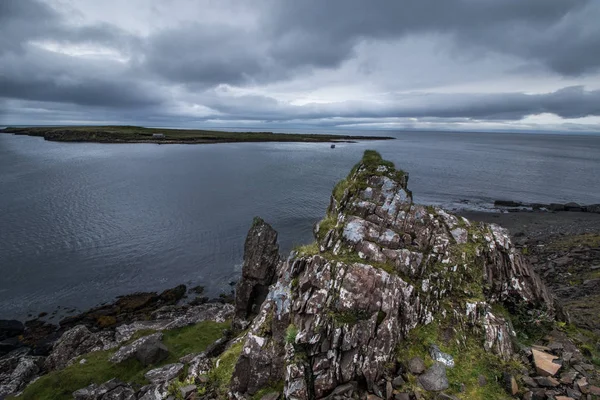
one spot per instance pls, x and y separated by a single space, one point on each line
333 146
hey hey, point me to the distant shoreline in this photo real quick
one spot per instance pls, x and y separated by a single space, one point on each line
136 134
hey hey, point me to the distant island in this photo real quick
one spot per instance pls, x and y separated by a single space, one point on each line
137 134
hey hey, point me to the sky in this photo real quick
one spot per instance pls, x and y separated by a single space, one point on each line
380 64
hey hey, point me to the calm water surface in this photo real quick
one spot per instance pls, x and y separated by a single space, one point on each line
83 223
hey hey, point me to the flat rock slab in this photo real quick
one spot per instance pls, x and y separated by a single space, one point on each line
435 379
544 364
164 373
140 345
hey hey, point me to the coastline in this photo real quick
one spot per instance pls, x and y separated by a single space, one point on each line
135 134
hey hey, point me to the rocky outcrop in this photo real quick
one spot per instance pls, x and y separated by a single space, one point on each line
147 350
72 343
17 369
261 258
381 267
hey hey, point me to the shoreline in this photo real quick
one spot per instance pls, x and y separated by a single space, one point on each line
135 134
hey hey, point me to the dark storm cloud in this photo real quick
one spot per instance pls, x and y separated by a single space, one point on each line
563 34
175 68
570 102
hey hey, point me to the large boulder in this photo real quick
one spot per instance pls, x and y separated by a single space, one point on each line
147 350
261 258
73 343
381 267
17 369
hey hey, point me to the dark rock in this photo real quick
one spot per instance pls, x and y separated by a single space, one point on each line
17 369
73 343
510 384
507 203
568 378
151 353
164 373
574 394
402 396
398 382
538 394
546 381
261 257
343 389
529 381
173 295
8 345
111 390
434 379
147 350
573 207
10 328
444 396
416 365
271 396
482 380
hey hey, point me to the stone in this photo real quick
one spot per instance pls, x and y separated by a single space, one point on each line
510 384
575 394
482 380
416 365
152 353
148 348
10 328
583 385
371 396
594 390
261 258
434 379
17 369
563 398
73 343
438 355
164 373
544 364
189 389
343 389
398 382
567 378
402 396
529 381
389 391
110 390
444 396
546 381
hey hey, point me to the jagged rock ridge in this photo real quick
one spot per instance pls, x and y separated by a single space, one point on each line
381 266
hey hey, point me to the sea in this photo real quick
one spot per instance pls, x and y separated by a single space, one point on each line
82 223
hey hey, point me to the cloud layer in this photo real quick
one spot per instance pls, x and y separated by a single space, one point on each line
456 64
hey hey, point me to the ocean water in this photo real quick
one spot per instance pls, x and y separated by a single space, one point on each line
81 223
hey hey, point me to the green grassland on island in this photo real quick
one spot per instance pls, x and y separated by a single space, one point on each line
136 134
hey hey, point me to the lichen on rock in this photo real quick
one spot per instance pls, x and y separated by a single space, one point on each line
382 266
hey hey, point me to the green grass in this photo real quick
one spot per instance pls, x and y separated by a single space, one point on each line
220 376
470 359
273 388
115 134
60 385
307 250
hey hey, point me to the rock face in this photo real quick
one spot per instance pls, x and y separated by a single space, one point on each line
261 257
381 266
147 350
72 343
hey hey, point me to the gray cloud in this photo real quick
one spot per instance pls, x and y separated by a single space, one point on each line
357 59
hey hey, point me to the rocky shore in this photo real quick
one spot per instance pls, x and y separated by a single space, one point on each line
393 300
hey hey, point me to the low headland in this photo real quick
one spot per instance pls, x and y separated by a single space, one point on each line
137 134
392 300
